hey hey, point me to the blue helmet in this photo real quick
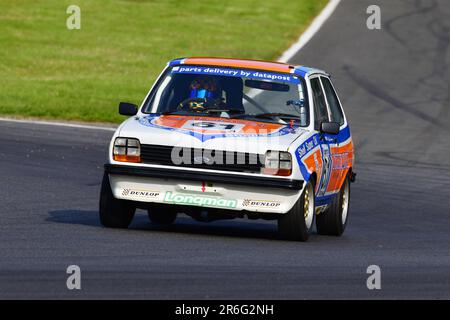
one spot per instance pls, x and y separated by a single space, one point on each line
205 88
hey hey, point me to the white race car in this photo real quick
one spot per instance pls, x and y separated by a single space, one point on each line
226 138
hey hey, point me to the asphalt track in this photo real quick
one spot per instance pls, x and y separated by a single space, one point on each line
395 85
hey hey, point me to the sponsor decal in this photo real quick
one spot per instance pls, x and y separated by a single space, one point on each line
307 146
260 203
140 193
195 200
216 71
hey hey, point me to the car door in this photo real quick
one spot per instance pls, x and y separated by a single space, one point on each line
321 114
338 168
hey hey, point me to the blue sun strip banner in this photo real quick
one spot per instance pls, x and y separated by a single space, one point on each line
240 73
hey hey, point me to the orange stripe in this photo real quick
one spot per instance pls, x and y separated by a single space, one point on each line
314 164
342 162
241 63
348 147
337 180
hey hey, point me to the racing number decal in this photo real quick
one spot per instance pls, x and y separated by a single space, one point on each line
326 169
214 126
209 125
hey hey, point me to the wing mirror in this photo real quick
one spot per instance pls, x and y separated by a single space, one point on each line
127 109
330 127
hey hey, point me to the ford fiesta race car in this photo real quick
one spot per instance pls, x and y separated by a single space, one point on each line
225 138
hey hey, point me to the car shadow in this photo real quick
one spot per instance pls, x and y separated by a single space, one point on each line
80 217
238 228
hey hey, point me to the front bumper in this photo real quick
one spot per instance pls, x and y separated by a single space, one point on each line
205 189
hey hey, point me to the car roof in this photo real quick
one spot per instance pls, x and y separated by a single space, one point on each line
269 66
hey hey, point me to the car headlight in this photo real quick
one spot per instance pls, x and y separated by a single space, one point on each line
127 150
278 163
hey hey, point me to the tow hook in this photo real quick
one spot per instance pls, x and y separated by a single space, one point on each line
352 176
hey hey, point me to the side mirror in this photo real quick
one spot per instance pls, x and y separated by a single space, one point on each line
127 109
330 127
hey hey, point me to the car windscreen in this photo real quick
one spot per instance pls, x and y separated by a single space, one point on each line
227 92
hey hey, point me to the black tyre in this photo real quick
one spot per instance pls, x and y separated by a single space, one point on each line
114 213
162 214
297 224
334 220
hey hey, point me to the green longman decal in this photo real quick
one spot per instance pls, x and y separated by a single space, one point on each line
203 201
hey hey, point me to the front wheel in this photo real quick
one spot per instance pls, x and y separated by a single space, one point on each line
334 220
297 223
114 213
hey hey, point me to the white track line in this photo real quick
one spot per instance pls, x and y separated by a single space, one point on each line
310 31
285 57
58 124
305 37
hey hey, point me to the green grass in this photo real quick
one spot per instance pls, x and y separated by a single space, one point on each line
51 72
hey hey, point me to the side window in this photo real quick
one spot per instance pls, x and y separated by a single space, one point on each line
320 107
333 102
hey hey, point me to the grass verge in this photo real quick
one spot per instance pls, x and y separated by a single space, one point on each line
48 71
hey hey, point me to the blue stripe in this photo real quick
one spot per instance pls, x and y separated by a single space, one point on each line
325 199
303 70
175 62
303 151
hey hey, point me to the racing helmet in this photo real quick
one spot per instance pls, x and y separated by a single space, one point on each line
204 87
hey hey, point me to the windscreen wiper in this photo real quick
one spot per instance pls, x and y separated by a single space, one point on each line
175 112
254 117
203 112
276 115
229 110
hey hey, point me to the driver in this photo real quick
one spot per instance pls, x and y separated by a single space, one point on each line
204 92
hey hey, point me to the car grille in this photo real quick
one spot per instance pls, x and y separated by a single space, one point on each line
156 154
